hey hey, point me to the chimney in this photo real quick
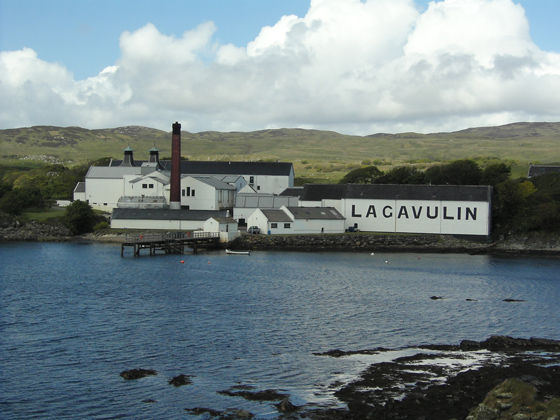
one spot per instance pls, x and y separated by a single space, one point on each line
128 159
154 155
175 194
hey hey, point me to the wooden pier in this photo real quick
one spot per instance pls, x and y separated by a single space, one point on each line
171 243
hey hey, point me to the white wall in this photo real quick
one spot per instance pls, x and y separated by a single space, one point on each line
104 193
270 184
167 225
142 187
303 226
258 219
212 225
411 216
204 195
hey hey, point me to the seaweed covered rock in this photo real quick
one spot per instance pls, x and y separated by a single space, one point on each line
137 373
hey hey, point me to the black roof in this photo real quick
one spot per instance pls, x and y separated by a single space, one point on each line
318 192
224 168
537 170
292 192
166 214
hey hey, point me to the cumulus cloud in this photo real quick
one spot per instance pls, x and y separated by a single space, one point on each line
357 67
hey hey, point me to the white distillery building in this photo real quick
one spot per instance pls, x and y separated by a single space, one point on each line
297 220
439 209
246 204
204 185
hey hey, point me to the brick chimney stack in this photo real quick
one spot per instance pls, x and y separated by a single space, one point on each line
175 193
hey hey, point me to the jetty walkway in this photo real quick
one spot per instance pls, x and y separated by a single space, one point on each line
170 243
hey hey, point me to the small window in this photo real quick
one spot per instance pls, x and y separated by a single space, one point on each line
144 185
183 192
258 187
251 180
192 193
286 226
151 185
274 225
188 191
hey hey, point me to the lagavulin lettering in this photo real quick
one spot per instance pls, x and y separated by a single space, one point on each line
416 212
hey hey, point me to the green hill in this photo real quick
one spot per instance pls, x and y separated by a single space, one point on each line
317 155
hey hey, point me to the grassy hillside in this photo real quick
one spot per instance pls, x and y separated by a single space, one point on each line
317 155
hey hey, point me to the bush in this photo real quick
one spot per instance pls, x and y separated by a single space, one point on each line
101 226
80 218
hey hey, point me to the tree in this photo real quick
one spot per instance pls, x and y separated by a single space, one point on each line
458 172
509 205
18 199
495 174
365 175
402 175
80 218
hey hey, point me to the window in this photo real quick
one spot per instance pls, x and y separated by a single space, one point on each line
274 225
144 185
286 226
151 185
183 192
188 191
192 193
251 180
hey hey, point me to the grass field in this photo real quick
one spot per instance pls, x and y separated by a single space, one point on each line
318 156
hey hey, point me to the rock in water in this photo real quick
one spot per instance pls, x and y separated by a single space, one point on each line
137 373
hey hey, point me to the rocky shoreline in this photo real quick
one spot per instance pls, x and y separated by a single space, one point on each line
501 378
535 244
363 242
516 379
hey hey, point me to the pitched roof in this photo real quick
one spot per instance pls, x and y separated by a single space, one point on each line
213 182
276 215
291 192
228 220
232 168
165 214
324 213
317 192
116 172
536 170
80 187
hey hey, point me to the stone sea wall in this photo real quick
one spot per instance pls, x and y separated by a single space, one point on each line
399 243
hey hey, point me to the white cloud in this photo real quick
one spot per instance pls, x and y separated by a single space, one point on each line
347 65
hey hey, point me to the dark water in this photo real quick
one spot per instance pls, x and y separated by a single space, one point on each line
72 317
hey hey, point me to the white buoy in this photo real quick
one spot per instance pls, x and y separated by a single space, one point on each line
386 262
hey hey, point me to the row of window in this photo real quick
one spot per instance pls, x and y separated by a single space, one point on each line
147 186
188 192
275 226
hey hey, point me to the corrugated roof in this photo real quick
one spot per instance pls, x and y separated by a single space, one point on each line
213 182
112 171
323 213
317 192
270 201
166 214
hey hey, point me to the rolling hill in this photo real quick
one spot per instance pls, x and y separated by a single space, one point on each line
316 154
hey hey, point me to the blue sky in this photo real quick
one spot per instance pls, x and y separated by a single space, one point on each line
86 62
